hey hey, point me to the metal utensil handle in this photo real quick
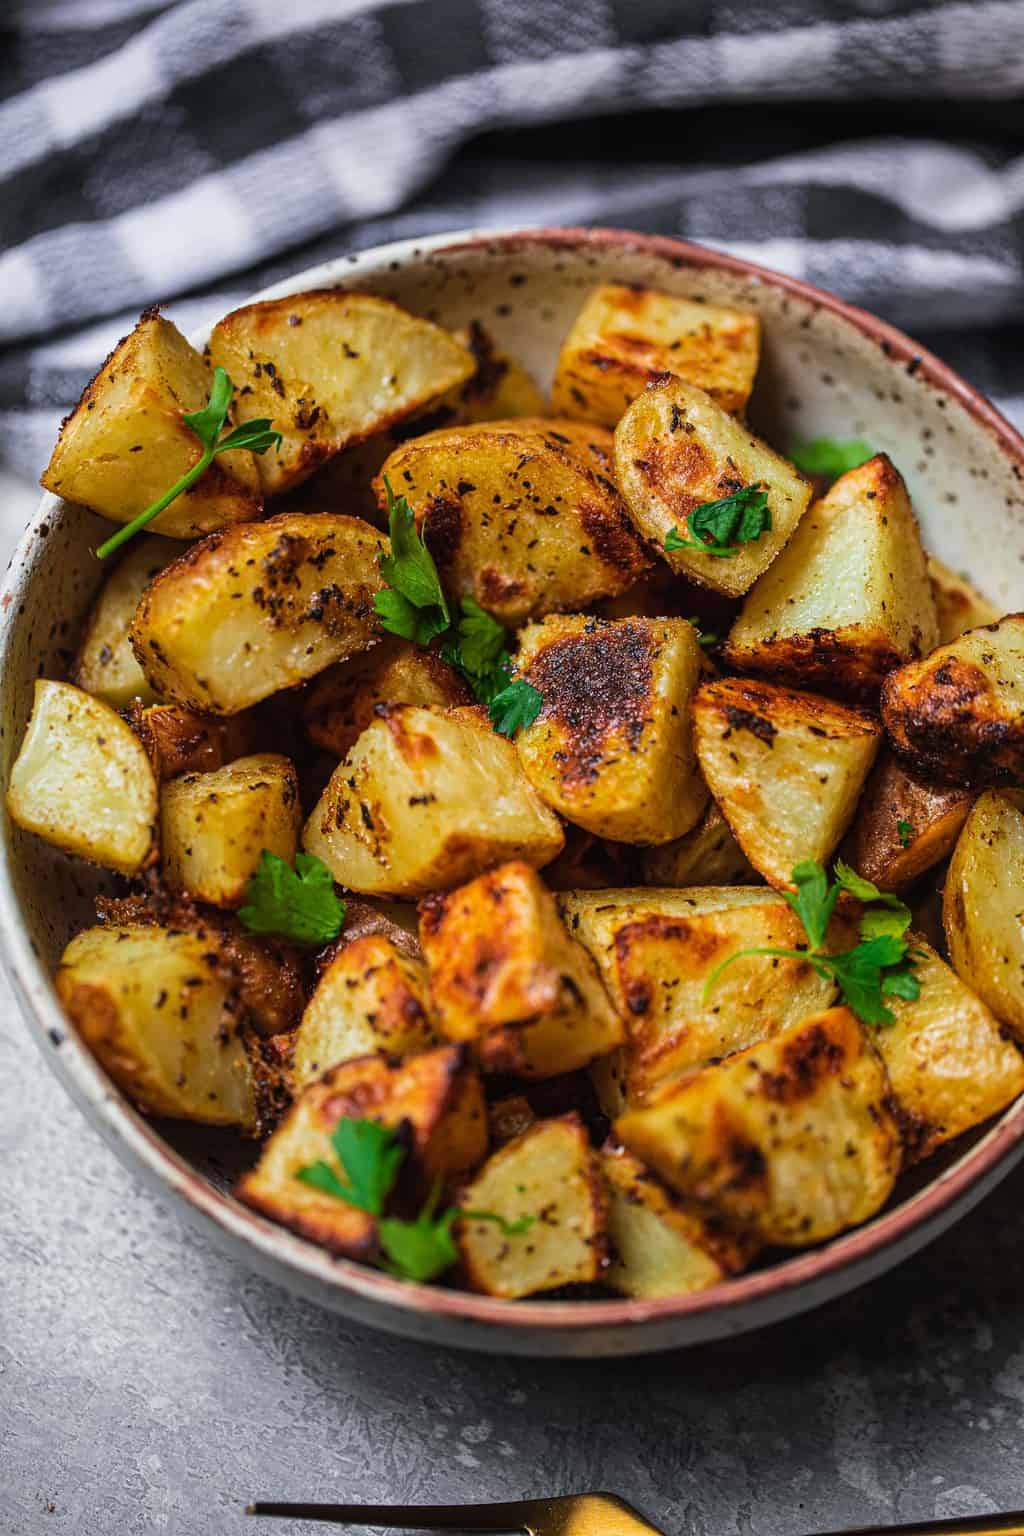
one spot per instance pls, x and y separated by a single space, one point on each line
407 1517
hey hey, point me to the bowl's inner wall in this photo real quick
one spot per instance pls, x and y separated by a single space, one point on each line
819 375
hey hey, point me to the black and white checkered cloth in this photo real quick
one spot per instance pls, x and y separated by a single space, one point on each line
187 153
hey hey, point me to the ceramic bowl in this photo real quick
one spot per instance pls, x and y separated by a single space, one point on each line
827 369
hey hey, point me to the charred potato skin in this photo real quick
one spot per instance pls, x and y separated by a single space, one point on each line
254 609
958 715
675 449
506 975
180 741
765 1138
982 905
612 748
934 813
520 515
343 700
848 600
567 1243
293 360
625 336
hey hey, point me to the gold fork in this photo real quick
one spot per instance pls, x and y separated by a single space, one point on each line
580 1514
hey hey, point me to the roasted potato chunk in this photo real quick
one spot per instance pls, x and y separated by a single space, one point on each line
948 1061
904 825
329 368
434 1098
590 863
215 826
959 605
178 740
707 855
983 906
659 1244
505 975
793 1139
675 449
612 747
848 599
125 442
342 701
82 780
624 337
106 665
786 769
259 608
371 996
656 951
156 1012
425 801
551 1174
519 515
958 715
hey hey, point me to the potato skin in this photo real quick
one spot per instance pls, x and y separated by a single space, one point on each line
257 608
343 700
331 367
125 443
982 903
520 515
179 741
958 715
934 814
612 747
627 335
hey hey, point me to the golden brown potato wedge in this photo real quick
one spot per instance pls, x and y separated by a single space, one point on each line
958 715
329 368
548 1173
435 1099
904 825
157 1014
371 996
505 975
612 747
786 769
178 740
793 1139
983 907
624 336
106 665
675 449
657 949
707 855
341 703
259 608
215 826
425 801
947 1057
660 1244
848 599
82 780
519 515
125 443
959 604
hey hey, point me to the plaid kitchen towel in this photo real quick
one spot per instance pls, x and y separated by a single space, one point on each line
187 153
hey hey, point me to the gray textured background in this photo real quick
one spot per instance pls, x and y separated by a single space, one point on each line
149 1384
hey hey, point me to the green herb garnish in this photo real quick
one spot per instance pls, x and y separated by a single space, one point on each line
412 604
370 1157
879 966
479 652
827 457
706 638
298 904
515 706
720 528
257 436
905 833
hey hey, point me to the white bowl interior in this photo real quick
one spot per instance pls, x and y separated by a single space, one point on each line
820 375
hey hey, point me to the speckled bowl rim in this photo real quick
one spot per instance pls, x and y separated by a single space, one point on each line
822 1273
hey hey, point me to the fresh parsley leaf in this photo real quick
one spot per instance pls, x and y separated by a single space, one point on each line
826 456
421 1249
298 904
905 833
888 914
720 528
517 705
814 901
480 652
706 638
207 424
412 604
